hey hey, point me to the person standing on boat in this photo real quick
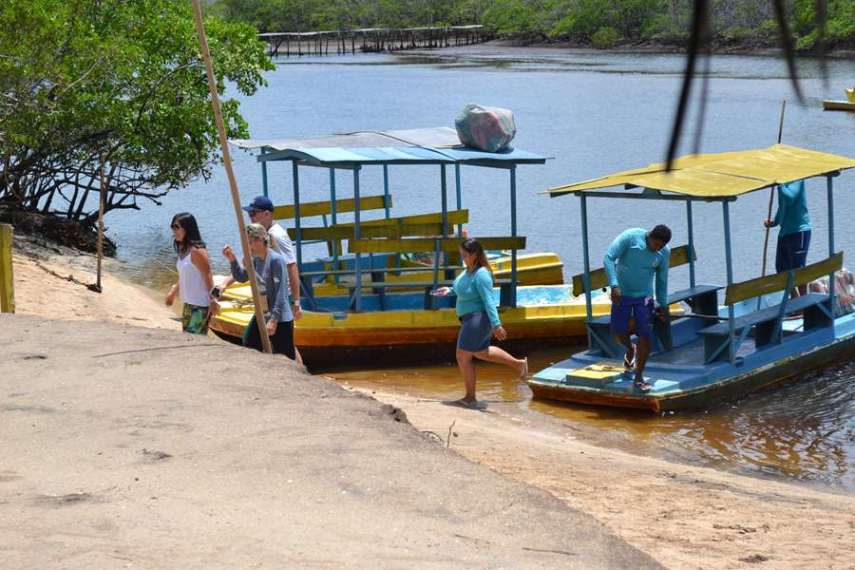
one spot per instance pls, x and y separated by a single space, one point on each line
195 279
476 309
634 261
273 282
793 219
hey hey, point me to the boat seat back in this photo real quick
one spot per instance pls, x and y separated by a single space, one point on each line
598 279
417 225
420 245
752 288
324 208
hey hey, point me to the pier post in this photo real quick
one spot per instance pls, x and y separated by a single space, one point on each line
7 283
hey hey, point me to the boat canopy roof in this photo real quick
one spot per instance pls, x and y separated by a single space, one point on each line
720 175
413 146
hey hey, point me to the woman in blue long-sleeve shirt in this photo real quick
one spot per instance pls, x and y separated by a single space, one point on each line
793 219
272 278
476 309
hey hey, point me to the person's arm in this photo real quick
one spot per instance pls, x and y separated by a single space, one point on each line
277 271
782 208
199 258
171 296
615 251
294 282
662 278
484 286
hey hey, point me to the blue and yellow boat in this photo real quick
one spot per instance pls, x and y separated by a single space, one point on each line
760 336
374 294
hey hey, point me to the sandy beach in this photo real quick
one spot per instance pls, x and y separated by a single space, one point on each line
505 491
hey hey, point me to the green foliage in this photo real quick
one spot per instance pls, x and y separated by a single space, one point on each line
749 22
85 79
605 38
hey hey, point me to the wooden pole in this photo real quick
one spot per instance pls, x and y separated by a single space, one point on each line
772 190
100 249
7 283
227 162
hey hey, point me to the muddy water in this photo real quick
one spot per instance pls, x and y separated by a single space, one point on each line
595 113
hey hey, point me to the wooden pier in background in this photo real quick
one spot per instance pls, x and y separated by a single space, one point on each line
372 40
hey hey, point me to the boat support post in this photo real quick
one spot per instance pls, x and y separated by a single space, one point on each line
356 235
264 173
386 189
295 177
586 265
334 217
513 234
729 262
459 193
691 231
830 183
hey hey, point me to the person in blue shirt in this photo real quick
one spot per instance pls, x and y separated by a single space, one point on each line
634 261
476 309
793 219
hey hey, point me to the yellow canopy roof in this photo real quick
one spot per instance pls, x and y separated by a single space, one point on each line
722 175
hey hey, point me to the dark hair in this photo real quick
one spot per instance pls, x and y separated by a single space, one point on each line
661 233
472 246
192 237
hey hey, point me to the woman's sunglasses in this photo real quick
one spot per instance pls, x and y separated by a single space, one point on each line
175 227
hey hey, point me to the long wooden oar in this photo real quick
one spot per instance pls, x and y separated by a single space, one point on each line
227 161
772 190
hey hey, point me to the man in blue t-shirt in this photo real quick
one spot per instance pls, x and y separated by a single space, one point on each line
794 236
635 259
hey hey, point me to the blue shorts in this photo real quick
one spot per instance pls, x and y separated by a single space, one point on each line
792 251
638 308
475 332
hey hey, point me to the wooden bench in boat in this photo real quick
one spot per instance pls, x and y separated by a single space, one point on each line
703 300
380 288
767 323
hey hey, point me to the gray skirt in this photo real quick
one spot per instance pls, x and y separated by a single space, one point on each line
475 332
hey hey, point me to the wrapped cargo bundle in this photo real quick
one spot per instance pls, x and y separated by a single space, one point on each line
486 128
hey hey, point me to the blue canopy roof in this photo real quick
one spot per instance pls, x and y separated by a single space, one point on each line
414 146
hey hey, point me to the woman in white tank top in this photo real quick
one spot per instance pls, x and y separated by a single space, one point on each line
195 279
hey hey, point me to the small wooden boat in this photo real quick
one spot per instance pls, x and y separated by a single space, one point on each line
375 296
848 105
711 353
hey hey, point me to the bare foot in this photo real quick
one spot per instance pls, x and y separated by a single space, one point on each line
523 369
468 403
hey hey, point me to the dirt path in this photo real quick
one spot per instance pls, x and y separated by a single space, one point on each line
684 516
125 446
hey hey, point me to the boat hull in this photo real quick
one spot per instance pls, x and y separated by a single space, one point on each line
416 332
696 387
839 106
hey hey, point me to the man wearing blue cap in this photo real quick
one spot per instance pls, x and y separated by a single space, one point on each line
260 211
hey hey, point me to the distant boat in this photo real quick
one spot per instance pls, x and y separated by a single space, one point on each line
848 105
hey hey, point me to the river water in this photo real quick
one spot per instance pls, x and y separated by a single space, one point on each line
594 113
